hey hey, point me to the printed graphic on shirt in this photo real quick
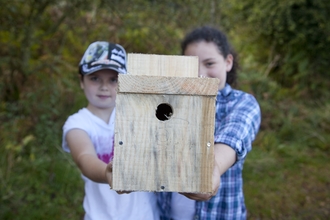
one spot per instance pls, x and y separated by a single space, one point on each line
105 149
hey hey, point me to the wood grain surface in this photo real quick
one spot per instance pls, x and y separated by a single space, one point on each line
168 85
162 65
164 129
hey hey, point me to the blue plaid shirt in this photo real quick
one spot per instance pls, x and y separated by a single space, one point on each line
237 122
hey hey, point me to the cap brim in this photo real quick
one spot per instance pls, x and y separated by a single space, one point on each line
102 67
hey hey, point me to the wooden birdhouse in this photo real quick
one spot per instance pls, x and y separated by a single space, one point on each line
164 129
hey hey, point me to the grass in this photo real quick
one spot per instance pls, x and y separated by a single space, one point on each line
287 183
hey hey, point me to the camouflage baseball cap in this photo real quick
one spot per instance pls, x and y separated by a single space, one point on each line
103 55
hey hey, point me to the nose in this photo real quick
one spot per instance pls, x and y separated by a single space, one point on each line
104 86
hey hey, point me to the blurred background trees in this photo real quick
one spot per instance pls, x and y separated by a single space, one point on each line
291 37
283 49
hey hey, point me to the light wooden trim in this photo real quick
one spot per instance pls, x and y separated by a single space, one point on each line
167 85
162 65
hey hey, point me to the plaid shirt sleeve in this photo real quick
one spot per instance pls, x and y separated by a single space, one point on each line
237 120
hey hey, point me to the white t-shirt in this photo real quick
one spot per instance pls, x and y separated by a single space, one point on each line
182 208
101 203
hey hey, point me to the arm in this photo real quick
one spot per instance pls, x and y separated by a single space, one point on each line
84 155
225 157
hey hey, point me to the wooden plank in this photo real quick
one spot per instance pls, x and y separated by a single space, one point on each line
167 85
171 155
162 65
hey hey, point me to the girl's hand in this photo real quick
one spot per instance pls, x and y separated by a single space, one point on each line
224 158
215 187
108 176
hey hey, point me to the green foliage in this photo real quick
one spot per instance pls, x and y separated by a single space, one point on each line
290 38
291 183
282 45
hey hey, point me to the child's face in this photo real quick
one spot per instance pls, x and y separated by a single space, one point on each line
211 62
100 89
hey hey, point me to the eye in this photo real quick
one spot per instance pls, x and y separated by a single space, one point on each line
93 78
209 64
114 79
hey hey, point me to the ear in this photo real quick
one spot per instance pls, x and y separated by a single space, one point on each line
229 62
81 80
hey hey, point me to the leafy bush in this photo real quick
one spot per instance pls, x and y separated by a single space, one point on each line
289 38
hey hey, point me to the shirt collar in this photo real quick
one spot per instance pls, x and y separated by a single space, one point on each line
225 91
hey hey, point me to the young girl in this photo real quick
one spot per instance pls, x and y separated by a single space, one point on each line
237 122
89 136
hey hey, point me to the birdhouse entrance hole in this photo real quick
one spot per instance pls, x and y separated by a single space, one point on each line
164 112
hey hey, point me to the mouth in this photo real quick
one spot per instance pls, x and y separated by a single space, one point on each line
103 96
